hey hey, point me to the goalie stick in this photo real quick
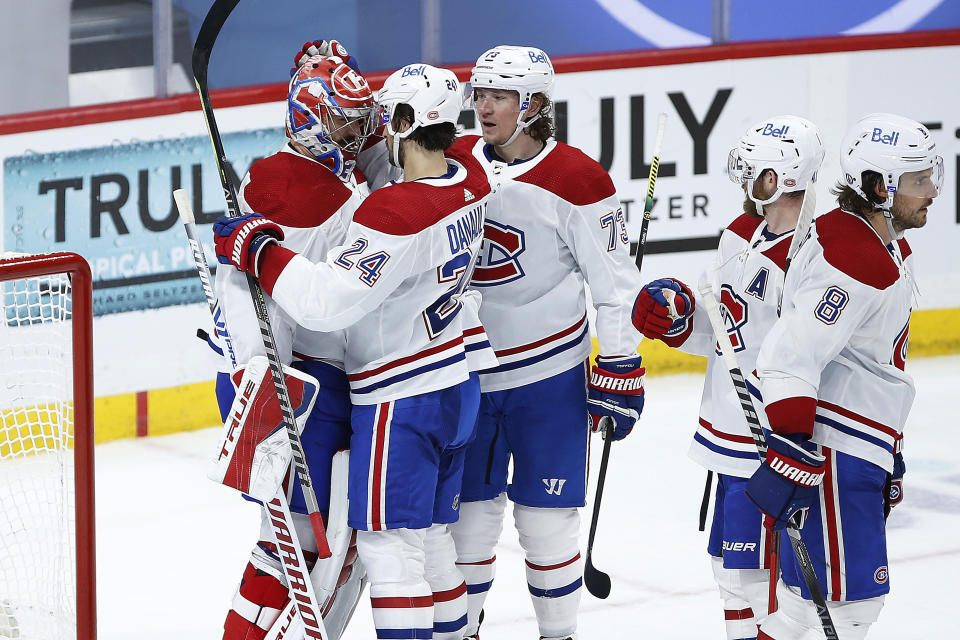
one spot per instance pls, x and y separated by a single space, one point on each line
206 38
746 403
598 582
277 510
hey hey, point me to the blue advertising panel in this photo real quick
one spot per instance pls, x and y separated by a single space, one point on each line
114 206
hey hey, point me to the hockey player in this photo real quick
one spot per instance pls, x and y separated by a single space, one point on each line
773 162
833 381
553 223
309 189
395 287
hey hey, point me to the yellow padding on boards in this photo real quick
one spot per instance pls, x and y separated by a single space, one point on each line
115 417
185 408
193 406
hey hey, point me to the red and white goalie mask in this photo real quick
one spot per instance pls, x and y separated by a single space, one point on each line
330 111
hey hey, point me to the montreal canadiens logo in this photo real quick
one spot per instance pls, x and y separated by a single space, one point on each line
900 346
894 493
498 262
880 575
733 308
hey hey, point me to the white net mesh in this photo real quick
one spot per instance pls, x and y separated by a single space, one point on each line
37 528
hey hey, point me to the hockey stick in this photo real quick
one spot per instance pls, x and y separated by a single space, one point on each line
746 403
598 582
203 270
807 210
209 31
278 510
804 222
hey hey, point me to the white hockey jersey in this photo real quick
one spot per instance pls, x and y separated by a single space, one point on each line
314 208
554 221
835 359
396 286
747 276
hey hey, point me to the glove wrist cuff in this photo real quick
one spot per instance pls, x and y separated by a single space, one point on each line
799 472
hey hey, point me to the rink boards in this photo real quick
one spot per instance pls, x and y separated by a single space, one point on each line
97 180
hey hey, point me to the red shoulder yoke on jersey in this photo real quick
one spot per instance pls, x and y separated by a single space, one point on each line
571 175
294 190
851 246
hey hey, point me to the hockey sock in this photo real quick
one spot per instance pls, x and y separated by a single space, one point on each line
476 534
400 597
256 605
553 565
449 588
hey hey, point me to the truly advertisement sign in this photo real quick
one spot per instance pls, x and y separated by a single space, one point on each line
114 206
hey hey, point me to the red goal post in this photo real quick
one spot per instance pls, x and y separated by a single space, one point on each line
46 448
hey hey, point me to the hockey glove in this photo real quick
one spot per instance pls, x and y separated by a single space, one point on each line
325 48
787 482
893 490
663 309
240 241
616 391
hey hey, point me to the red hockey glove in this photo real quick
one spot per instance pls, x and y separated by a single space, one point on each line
240 241
325 48
663 310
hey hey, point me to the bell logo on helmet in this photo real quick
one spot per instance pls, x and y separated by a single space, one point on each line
889 138
537 56
776 132
413 71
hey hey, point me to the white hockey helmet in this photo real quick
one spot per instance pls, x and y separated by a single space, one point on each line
526 70
790 146
434 94
891 146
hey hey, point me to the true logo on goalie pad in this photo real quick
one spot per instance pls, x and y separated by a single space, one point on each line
254 453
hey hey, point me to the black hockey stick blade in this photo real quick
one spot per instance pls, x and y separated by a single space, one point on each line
596 581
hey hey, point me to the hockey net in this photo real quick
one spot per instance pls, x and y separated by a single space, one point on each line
46 448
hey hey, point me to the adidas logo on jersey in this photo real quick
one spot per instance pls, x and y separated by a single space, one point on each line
467 196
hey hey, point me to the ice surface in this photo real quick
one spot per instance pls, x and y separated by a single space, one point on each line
171 544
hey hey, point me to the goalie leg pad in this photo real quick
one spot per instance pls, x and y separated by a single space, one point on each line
476 535
256 605
447 583
339 610
400 596
554 568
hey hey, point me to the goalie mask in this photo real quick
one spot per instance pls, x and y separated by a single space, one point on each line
789 146
526 70
330 111
434 95
901 150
